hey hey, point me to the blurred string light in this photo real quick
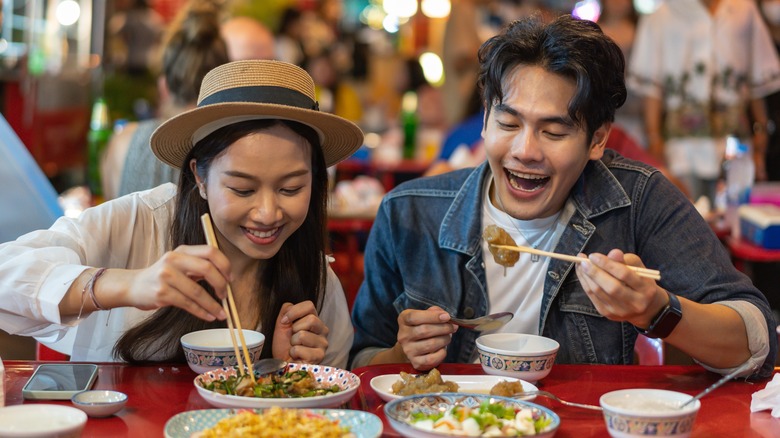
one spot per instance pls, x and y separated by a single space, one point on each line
390 23
647 6
67 12
400 8
587 10
433 68
436 8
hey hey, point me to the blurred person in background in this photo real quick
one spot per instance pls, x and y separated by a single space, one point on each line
703 68
247 38
193 47
134 36
770 9
289 46
618 21
334 92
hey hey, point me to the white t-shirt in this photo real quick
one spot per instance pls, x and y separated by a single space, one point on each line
130 232
519 288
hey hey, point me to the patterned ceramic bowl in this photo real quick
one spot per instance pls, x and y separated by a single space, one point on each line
401 412
526 357
635 413
212 349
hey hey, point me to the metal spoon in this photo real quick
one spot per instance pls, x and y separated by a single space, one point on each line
521 395
484 323
268 366
720 382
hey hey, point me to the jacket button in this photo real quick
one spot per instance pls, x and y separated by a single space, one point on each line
468 312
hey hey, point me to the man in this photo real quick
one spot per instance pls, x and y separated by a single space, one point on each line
550 184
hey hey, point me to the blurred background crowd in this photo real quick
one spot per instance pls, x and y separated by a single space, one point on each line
83 83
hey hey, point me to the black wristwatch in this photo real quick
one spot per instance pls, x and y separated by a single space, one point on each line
665 321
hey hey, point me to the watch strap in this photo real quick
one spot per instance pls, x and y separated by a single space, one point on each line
665 321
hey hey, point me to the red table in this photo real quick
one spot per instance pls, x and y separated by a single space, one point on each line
158 392
724 413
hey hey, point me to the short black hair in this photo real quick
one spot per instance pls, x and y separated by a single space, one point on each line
568 46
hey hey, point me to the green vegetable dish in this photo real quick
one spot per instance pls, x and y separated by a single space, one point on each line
292 384
489 419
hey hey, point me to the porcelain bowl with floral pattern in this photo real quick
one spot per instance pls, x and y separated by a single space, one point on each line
212 349
641 413
519 355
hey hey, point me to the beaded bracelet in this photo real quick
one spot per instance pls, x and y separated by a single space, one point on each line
90 288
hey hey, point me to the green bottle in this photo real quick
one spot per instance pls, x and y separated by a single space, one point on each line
97 140
409 122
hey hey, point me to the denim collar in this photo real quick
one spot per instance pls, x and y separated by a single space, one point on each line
596 192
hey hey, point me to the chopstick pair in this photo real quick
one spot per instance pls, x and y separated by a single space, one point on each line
231 313
642 272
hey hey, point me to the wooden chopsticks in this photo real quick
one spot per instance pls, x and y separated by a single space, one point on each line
232 313
642 272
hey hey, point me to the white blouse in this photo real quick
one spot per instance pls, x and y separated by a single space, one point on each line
131 232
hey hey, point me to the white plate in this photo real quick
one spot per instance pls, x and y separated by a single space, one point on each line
476 384
183 425
347 381
41 420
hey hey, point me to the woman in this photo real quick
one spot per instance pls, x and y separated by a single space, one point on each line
253 154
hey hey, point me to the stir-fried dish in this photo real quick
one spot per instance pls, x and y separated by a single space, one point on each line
292 384
494 235
411 384
489 419
507 388
276 423
432 382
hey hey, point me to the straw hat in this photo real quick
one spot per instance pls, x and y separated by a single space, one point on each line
248 90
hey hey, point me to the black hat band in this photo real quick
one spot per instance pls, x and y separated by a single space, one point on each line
261 94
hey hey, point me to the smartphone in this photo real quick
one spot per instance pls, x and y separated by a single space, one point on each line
59 381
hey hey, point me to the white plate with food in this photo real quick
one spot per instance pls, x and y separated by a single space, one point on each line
194 423
324 387
473 384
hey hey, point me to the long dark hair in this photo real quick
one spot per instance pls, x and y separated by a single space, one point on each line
296 273
574 48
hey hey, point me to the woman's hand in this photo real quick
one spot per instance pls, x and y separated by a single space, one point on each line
617 292
173 281
300 335
424 336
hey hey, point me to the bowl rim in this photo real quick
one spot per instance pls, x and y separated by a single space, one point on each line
187 343
70 412
109 392
693 408
537 354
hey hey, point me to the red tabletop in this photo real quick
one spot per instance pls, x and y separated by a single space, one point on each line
158 392
724 413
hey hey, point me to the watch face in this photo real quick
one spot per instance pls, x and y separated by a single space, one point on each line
666 320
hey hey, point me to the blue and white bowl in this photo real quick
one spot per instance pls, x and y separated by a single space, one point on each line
639 413
399 412
523 356
212 349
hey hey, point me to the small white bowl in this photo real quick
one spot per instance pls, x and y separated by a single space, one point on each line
212 349
99 403
639 413
523 356
41 421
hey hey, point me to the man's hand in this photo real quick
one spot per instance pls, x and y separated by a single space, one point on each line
424 336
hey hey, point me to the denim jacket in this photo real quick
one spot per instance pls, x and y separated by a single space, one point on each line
425 249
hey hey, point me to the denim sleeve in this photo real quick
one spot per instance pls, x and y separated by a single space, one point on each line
672 237
373 315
